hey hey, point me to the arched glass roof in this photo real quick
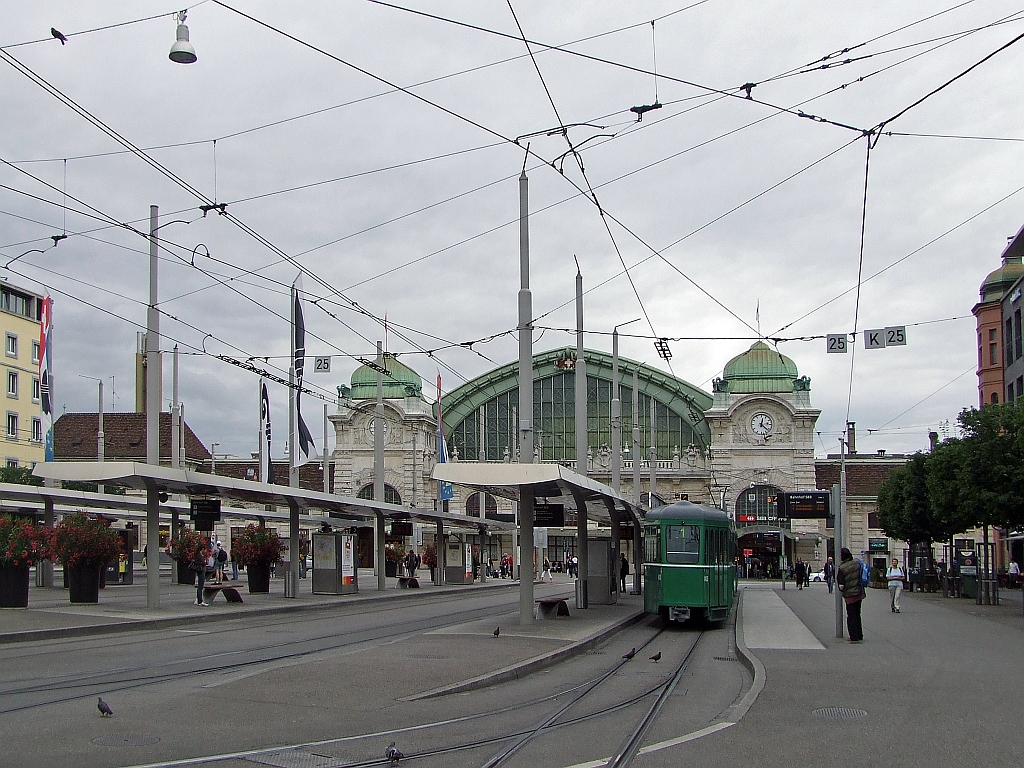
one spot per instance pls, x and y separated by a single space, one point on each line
487 407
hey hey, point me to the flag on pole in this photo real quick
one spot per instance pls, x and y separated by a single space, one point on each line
46 374
305 451
266 466
444 490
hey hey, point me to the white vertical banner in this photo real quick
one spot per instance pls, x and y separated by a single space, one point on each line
46 375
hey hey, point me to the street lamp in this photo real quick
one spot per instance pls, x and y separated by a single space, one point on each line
617 410
182 51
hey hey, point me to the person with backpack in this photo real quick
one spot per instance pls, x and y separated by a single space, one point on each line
851 582
895 578
221 558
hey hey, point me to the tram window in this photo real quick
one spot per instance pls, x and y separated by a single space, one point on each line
652 541
682 544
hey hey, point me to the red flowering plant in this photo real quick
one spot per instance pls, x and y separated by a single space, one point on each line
22 542
256 545
189 547
429 556
80 540
393 553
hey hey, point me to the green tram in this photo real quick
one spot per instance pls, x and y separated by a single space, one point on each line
689 562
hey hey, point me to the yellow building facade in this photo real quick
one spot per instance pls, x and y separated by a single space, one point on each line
23 426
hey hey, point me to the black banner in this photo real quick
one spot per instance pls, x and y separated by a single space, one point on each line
549 515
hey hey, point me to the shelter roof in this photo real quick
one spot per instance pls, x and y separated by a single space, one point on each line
548 481
190 483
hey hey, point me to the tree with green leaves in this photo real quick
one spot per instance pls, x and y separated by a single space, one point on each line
991 453
904 506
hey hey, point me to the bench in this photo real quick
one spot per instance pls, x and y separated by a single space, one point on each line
230 593
551 607
408 582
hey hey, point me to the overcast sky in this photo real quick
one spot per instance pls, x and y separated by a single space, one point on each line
408 206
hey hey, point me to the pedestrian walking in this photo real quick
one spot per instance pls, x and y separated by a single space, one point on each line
1014 573
623 570
895 578
234 567
410 563
200 560
575 567
801 573
830 574
848 579
547 571
220 558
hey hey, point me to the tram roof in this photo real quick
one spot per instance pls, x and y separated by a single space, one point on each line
188 482
685 510
550 481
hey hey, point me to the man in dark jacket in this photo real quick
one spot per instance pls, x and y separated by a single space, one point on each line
801 573
848 580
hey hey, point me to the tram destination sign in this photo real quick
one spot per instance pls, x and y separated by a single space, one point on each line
548 515
806 505
204 508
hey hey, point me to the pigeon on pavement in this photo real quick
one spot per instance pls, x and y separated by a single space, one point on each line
497 631
630 655
58 35
656 657
103 707
393 754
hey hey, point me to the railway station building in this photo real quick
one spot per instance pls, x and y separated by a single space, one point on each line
737 448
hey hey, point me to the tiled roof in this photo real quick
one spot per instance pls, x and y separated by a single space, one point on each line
862 477
124 438
311 476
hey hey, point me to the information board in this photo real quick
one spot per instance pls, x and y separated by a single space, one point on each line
806 505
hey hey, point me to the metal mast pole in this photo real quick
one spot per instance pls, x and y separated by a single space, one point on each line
840 533
175 450
378 468
616 416
582 523
636 436
100 440
525 404
153 421
652 463
326 463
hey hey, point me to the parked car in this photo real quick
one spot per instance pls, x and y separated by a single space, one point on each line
818 575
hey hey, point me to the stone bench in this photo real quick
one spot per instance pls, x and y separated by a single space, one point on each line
551 607
408 582
230 593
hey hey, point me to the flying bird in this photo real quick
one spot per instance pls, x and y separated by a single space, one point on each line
630 655
393 754
104 708
656 657
58 35
497 631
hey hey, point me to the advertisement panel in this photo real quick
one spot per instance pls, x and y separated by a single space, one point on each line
348 560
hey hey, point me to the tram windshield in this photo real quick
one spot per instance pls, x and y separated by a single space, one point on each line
682 544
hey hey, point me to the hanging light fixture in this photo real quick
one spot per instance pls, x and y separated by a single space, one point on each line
182 51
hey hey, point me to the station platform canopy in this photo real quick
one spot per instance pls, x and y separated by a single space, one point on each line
548 481
190 483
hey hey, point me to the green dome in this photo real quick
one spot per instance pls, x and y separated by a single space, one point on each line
999 281
399 382
760 369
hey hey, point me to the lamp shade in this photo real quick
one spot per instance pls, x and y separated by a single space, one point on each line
182 51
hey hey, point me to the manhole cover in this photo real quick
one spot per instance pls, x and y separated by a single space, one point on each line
125 740
839 712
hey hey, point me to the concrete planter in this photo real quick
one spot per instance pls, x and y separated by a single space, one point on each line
259 579
14 586
84 583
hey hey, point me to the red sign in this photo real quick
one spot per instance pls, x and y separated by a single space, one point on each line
748 518
748 553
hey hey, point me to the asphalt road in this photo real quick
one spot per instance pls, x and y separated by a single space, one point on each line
339 677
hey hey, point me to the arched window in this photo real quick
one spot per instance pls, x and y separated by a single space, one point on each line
490 506
758 504
390 494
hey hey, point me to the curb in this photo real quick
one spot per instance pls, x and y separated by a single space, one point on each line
523 668
752 663
87 630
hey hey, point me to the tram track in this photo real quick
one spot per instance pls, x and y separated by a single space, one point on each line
103 683
523 737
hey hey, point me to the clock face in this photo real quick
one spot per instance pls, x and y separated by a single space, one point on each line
384 427
761 424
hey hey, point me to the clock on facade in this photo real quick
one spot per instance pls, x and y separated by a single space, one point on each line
385 424
761 424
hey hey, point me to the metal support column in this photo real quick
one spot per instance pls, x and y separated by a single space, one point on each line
292 588
439 546
49 522
525 328
582 549
153 382
638 556
379 428
378 557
